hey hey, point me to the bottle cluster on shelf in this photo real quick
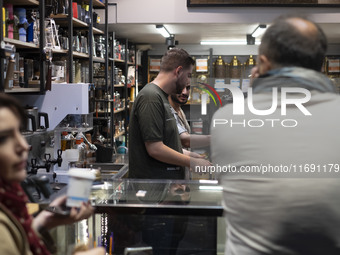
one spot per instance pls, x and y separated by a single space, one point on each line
120 50
21 23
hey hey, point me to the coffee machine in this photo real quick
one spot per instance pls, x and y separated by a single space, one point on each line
68 108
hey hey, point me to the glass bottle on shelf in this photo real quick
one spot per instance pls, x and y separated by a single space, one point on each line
97 137
81 147
67 141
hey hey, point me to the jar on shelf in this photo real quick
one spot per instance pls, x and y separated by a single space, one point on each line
220 71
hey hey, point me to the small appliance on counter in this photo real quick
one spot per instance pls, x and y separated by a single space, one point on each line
68 109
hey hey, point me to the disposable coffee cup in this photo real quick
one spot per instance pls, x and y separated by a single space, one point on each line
79 186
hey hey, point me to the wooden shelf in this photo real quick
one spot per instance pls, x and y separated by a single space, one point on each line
80 55
122 61
97 31
22 90
21 45
119 85
22 2
61 19
96 3
56 51
139 85
119 110
119 60
98 60
103 100
119 134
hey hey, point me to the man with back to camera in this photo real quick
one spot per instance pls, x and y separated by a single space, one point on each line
155 150
282 206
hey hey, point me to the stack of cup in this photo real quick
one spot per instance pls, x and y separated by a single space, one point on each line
79 186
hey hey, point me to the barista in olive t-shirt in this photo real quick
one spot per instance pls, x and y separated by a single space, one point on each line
151 120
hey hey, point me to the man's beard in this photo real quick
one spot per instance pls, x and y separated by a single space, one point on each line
176 100
179 87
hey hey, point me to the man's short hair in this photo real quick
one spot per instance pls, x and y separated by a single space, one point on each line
285 45
174 58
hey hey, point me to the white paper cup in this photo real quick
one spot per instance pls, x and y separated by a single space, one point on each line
79 186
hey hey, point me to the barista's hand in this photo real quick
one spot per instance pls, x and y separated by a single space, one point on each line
94 251
196 164
50 220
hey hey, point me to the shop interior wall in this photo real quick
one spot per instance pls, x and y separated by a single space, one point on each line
229 50
176 11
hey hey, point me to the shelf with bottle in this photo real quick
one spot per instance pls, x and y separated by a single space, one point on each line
77 54
23 2
119 110
105 111
20 44
98 60
61 19
22 90
104 100
119 85
96 3
59 51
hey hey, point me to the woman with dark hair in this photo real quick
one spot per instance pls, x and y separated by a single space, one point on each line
19 232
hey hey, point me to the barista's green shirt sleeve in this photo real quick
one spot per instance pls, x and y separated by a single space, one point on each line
150 114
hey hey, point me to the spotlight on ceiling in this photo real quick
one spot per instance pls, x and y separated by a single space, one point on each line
171 42
250 39
163 31
259 30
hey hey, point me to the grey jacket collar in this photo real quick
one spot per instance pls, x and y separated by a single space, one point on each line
293 77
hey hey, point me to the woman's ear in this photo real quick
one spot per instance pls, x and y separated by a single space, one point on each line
264 64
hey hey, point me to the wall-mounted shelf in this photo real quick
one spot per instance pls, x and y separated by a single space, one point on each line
97 31
96 3
80 55
21 45
98 60
119 60
58 51
61 19
119 110
23 2
22 90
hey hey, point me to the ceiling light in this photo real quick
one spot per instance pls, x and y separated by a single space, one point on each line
259 30
163 31
227 42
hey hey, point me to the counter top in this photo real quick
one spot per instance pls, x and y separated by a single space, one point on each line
172 197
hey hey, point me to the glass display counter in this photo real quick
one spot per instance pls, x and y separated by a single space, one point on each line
172 217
